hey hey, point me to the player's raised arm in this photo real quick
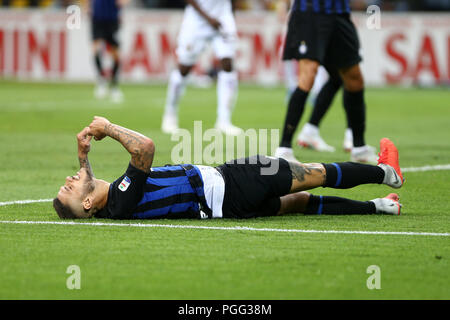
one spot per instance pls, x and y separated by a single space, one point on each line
84 146
212 21
141 148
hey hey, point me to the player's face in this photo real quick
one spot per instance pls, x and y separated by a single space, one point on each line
72 193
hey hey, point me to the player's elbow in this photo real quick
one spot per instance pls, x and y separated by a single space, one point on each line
148 146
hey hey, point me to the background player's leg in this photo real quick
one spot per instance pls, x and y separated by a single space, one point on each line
356 111
322 77
227 88
310 136
175 89
116 94
307 73
190 45
101 89
290 73
325 98
97 48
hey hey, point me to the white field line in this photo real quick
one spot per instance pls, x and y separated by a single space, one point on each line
148 225
427 168
410 169
7 203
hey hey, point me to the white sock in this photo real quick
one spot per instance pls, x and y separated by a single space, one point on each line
175 90
227 85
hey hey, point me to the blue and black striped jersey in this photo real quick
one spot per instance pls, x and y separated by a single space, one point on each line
166 192
105 10
322 6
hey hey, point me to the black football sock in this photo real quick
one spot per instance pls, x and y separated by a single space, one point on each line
115 71
337 205
98 64
347 118
293 115
356 112
344 175
324 100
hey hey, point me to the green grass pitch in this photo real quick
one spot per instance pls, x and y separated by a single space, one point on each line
38 124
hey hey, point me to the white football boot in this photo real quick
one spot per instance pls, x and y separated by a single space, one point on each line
389 162
310 137
348 140
388 204
364 154
116 95
101 90
286 154
169 123
228 128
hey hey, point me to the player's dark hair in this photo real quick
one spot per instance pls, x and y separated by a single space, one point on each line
64 212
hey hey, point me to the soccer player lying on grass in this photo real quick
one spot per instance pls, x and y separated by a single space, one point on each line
231 190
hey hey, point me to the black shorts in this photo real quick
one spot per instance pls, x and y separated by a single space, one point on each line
330 39
253 189
106 30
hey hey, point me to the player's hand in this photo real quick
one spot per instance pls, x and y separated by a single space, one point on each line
98 126
84 141
214 23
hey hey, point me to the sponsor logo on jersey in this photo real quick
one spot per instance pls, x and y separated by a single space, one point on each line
123 186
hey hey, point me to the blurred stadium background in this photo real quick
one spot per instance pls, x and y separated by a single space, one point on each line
411 47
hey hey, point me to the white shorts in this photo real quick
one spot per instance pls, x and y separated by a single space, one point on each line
214 188
196 33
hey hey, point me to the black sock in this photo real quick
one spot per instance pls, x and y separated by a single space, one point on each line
98 64
347 118
344 175
115 71
293 115
336 205
324 100
356 113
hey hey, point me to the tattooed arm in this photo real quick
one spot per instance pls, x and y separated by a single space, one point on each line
84 146
141 148
306 176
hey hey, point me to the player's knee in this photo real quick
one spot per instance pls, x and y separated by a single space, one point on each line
294 202
353 80
303 196
354 84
